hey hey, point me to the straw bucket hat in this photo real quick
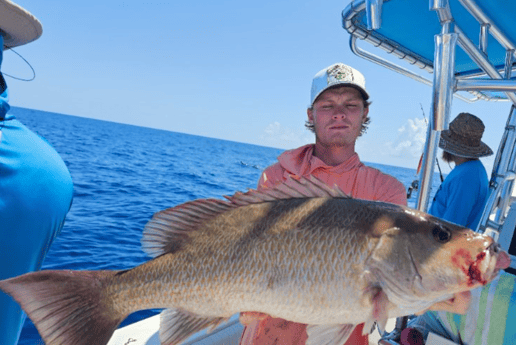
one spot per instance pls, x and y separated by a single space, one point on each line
17 25
463 139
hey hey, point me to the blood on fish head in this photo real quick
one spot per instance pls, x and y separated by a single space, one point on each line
477 257
429 258
483 267
470 265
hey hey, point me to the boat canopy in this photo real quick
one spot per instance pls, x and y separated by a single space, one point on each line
407 28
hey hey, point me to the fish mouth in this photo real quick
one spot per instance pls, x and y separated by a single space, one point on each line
490 261
501 258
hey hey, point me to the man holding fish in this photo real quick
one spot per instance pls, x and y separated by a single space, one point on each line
338 115
298 250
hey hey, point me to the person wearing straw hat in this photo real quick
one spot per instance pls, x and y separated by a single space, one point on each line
35 186
463 194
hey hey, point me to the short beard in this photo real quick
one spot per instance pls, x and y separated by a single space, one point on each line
332 144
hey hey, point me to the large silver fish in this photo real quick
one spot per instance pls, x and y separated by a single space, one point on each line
300 251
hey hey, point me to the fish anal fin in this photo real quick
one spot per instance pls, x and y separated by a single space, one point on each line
66 306
328 334
177 325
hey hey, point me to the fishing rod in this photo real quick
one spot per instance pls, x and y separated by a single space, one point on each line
415 184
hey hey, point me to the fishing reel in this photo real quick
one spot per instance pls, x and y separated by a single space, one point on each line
414 186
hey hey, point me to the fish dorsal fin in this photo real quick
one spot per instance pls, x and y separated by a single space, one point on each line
292 187
176 325
168 229
328 334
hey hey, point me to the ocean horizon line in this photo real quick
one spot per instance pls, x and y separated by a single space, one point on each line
19 108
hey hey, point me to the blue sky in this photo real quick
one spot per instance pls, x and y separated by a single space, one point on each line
235 70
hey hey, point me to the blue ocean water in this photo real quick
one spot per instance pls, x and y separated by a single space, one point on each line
123 174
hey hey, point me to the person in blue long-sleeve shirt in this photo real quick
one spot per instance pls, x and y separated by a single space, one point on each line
36 188
463 194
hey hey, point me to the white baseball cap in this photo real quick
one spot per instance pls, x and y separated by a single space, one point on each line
17 25
337 74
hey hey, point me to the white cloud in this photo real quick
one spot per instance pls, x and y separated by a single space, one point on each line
410 140
276 135
405 150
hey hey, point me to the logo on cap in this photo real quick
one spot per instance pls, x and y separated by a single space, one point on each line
340 72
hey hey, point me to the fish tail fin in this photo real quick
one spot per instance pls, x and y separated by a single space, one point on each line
67 307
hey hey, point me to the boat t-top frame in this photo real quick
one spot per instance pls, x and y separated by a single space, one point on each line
469 46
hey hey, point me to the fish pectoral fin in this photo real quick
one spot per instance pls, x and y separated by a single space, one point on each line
328 334
380 312
380 304
176 325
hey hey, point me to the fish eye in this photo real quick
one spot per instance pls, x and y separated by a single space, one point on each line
441 235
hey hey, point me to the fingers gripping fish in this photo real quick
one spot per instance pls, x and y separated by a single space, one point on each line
300 251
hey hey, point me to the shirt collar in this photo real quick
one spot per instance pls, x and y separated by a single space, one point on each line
302 162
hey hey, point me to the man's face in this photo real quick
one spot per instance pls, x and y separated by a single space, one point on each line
337 115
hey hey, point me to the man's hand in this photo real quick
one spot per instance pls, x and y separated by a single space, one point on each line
249 317
458 304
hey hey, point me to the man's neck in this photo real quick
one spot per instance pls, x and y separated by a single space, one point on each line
459 160
333 155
